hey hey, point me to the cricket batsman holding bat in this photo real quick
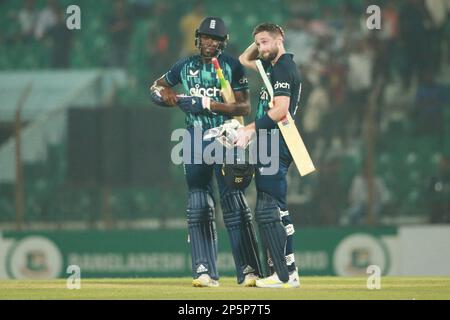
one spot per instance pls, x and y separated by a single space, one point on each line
215 90
271 213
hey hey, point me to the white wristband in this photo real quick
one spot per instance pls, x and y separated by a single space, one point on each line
206 103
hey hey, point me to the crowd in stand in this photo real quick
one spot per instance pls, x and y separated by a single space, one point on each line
341 60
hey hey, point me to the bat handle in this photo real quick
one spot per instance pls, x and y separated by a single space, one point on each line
240 119
215 63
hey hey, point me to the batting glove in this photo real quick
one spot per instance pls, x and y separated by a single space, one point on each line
155 95
193 104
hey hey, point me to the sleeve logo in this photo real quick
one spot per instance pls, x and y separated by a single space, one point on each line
282 85
243 80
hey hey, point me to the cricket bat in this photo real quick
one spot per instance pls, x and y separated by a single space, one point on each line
225 88
289 131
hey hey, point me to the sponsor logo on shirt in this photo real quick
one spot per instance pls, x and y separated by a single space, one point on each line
204 92
282 85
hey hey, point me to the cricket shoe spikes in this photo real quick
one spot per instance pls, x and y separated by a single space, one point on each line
274 282
205 280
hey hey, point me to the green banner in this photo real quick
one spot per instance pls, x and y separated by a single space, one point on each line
164 253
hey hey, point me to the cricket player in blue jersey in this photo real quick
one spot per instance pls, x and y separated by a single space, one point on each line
205 108
271 213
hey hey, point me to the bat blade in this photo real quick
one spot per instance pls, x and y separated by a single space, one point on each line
290 132
227 94
228 97
296 146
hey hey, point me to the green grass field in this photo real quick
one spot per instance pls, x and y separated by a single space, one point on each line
316 288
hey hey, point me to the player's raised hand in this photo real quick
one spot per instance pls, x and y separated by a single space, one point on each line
193 104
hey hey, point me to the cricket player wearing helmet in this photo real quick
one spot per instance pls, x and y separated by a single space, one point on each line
205 109
275 225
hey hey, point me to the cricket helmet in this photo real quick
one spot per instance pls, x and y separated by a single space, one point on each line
214 27
238 176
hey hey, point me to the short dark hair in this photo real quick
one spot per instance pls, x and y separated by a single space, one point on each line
269 27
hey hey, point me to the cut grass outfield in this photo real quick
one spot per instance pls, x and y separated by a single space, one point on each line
316 288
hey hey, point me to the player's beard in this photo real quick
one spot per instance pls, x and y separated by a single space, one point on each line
269 56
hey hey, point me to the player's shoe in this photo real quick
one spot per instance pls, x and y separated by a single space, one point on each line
294 279
274 282
250 280
205 280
